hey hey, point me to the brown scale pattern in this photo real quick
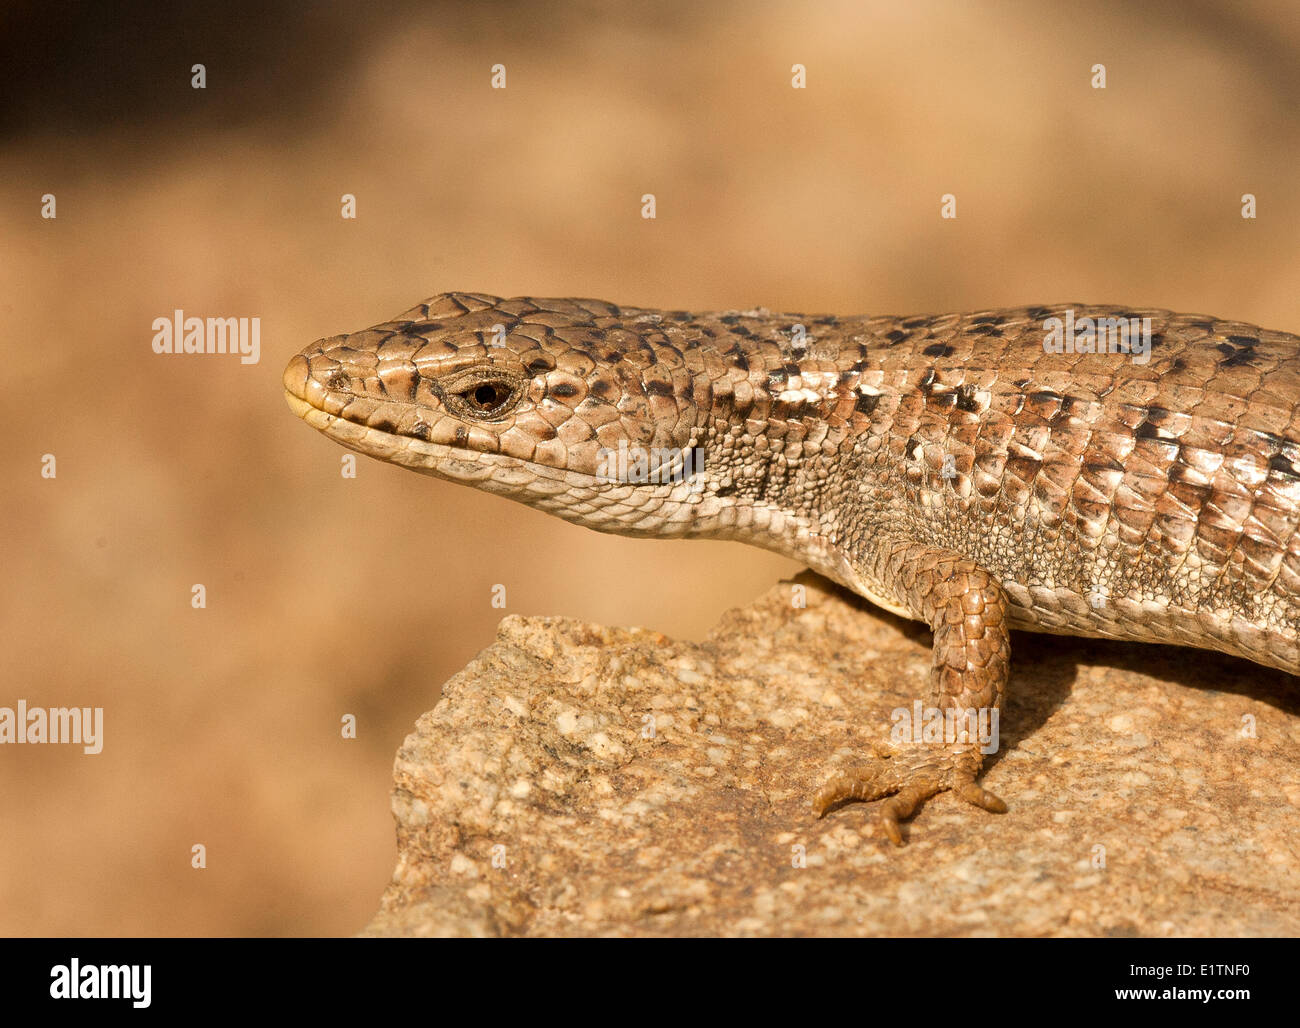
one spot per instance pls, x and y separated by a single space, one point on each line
947 467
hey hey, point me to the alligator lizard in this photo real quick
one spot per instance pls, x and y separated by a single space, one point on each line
978 472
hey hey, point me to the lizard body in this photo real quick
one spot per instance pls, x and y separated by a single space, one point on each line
958 469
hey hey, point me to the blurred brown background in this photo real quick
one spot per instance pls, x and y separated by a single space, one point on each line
328 596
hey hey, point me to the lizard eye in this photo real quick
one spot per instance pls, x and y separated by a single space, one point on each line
483 398
487 397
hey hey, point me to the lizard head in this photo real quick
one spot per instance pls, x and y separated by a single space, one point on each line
577 407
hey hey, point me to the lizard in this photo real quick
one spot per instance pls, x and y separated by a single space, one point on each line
979 472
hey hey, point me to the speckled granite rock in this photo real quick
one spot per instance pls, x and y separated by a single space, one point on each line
534 799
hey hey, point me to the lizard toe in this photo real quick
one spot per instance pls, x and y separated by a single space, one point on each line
908 781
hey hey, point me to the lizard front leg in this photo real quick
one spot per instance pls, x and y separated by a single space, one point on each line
967 610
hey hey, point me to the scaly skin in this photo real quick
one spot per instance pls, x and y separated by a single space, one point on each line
948 468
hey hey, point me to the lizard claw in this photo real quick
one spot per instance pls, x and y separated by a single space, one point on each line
909 782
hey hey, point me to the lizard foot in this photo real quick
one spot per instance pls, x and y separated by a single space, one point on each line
908 777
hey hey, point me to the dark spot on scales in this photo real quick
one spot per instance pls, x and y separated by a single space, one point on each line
1281 466
927 381
937 350
564 390
1146 430
420 430
866 404
1235 358
538 365
659 388
896 336
966 399
462 436
1110 465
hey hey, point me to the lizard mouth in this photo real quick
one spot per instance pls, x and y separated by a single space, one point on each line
442 460
391 431
355 402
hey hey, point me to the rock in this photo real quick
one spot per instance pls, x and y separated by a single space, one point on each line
576 779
